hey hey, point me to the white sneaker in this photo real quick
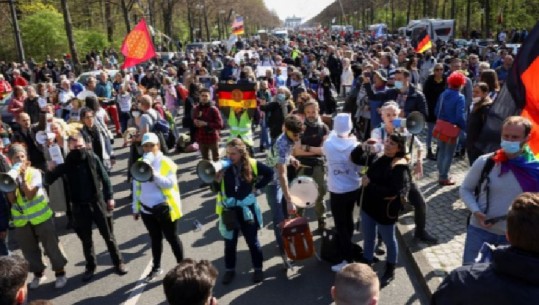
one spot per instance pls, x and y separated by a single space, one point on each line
36 282
61 281
338 267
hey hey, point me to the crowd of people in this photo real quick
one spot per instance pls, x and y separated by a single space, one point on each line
58 133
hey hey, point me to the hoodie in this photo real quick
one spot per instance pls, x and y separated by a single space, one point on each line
343 175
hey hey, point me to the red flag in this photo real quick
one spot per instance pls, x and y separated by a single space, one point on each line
137 46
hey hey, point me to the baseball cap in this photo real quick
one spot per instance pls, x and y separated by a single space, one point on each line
150 137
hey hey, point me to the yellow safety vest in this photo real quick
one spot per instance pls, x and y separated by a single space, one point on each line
172 195
35 211
221 196
241 129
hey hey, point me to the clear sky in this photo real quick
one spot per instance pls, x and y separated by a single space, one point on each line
305 9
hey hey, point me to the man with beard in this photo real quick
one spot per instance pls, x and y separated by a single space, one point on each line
91 196
309 153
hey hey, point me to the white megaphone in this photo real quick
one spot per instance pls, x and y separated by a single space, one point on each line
414 123
206 170
8 181
141 170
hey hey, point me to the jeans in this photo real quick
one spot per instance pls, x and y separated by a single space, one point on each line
279 210
342 208
445 157
124 118
475 237
369 227
461 143
264 134
416 199
157 229
428 140
249 231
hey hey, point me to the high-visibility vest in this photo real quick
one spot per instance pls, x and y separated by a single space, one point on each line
35 211
221 195
241 129
172 195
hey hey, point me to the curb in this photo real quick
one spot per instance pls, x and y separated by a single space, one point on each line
430 278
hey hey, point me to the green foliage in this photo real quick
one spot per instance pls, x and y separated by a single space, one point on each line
35 7
43 34
88 40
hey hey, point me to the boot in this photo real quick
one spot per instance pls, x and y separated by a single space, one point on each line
389 275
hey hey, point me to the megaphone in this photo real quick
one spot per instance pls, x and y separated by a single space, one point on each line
141 171
183 140
414 123
8 181
206 170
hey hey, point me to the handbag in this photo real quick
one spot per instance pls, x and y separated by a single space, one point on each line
230 219
445 131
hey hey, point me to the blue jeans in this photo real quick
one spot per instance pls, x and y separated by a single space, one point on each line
445 157
264 134
475 237
249 231
369 228
461 143
428 140
279 210
124 118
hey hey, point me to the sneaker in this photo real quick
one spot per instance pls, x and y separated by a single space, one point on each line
228 277
36 282
88 275
153 274
120 269
61 281
338 267
258 276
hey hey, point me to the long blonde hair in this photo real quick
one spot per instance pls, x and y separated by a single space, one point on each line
246 170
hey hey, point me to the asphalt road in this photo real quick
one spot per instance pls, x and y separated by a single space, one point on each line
308 283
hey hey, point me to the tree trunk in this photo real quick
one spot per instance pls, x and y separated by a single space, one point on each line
190 21
70 39
392 15
88 13
206 21
468 16
109 23
425 8
125 12
443 9
453 9
408 9
487 18
168 9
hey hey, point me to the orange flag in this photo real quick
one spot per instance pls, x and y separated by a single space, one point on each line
137 46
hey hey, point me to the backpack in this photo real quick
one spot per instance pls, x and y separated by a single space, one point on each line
161 129
487 168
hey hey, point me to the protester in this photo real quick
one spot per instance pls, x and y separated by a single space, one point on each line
433 87
238 208
356 284
13 275
208 122
180 281
476 120
158 203
511 276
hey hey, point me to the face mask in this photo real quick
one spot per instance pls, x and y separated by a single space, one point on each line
281 97
476 99
398 84
135 114
510 147
148 157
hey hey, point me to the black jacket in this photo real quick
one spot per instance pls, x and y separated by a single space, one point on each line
512 278
415 101
432 91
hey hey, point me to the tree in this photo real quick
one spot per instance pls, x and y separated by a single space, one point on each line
70 38
45 33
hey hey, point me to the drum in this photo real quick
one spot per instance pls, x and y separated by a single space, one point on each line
303 192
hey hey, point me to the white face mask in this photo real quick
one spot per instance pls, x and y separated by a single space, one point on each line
476 99
135 114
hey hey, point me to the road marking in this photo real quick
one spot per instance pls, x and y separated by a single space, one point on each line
139 288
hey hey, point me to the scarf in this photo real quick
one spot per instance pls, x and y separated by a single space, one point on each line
525 168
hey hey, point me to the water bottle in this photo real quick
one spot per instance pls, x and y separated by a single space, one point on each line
197 225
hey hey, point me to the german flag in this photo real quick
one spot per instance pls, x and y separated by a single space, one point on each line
519 95
422 43
237 95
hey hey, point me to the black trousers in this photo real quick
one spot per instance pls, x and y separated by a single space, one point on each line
342 208
157 228
416 199
86 214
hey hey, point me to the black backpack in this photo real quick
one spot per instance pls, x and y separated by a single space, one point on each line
487 168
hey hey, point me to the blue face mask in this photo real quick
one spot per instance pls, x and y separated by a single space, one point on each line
281 97
510 147
398 84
